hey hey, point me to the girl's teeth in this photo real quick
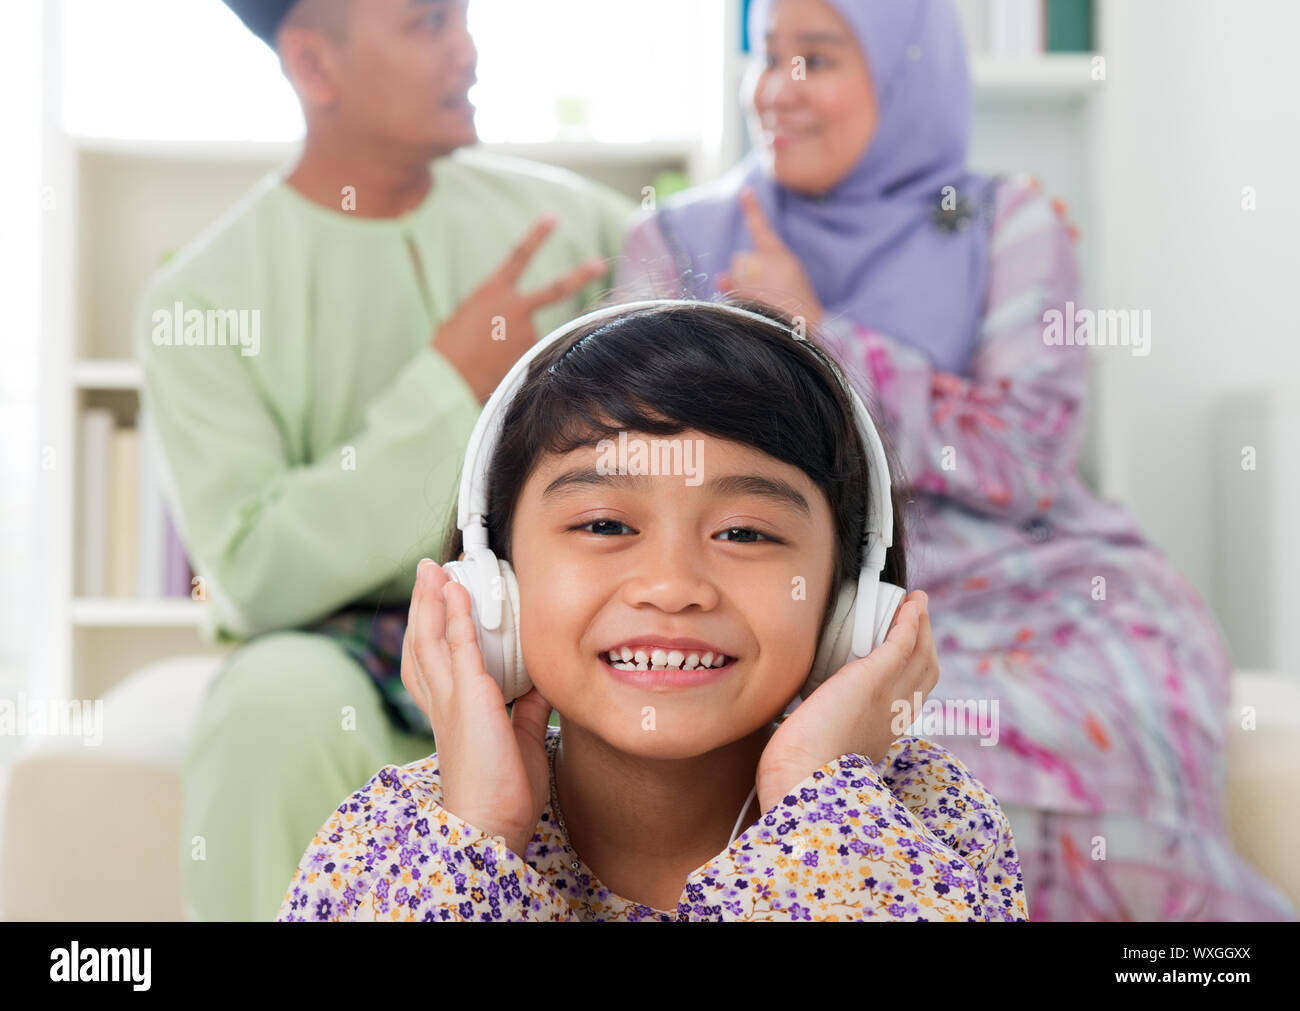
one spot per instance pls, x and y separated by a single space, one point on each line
625 659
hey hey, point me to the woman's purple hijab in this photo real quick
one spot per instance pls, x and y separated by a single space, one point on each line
876 247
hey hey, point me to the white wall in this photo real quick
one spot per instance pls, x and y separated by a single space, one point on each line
20 125
1202 99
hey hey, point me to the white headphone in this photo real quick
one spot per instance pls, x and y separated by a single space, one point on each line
862 612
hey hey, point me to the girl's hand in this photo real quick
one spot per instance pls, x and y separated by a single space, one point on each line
852 710
771 273
493 766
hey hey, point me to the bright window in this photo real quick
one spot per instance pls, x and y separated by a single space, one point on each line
562 69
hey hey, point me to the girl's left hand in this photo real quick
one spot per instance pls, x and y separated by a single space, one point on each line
852 710
771 273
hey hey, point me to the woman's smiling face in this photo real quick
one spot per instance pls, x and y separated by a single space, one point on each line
815 127
730 559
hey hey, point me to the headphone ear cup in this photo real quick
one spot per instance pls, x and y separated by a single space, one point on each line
837 641
833 650
514 680
503 657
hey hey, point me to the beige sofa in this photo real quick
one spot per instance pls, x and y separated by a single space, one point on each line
91 833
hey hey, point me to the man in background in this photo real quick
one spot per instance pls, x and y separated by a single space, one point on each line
393 284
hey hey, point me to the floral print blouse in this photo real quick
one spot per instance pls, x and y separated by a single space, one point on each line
916 837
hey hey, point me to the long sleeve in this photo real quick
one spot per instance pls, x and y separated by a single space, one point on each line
1003 440
390 852
281 542
844 846
957 809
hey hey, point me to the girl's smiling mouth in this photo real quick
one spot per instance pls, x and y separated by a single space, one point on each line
666 663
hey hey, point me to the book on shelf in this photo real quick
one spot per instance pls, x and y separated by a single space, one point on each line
151 562
1017 28
1013 28
177 572
130 546
96 453
123 512
1069 26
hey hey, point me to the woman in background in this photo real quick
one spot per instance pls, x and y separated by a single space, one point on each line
930 285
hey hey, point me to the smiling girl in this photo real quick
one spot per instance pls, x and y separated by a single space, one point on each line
627 809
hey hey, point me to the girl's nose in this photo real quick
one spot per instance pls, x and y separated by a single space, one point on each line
671 579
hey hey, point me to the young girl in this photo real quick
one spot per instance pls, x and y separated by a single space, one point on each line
624 810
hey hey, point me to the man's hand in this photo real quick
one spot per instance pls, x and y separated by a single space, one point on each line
771 273
471 337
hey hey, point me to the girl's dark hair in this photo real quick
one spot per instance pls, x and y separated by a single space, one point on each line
666 369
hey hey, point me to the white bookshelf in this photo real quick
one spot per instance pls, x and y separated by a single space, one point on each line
122 612
124 201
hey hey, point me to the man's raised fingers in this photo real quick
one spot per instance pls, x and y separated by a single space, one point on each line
517 262
570 284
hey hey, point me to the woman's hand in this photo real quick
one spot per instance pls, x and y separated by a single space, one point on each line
493 766
852 711
771 274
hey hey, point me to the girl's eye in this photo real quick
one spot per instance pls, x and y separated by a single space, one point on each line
435 20
593 523
731 530
747 530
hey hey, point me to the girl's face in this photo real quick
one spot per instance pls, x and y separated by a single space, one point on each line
812 103
733 549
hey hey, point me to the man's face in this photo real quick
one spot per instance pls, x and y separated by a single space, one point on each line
406 67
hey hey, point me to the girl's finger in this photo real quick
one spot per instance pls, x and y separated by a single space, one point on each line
885 664
914 598
429 645
531 713
413 675
462 640
916 674
415 592
904 629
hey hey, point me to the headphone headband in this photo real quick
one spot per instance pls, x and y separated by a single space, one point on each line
471 512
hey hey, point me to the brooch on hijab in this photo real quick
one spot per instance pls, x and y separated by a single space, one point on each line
953 215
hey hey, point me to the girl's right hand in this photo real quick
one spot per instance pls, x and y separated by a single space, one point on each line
493 767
